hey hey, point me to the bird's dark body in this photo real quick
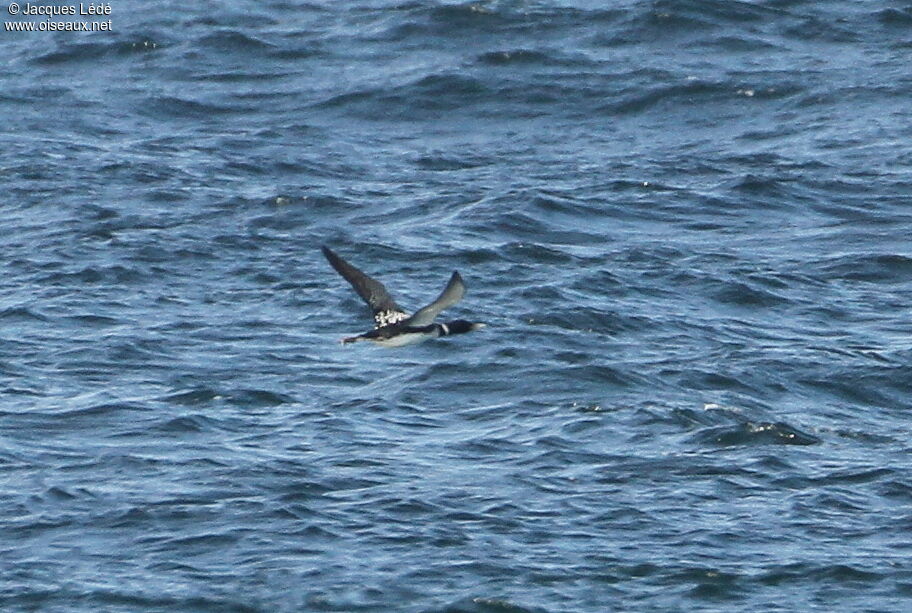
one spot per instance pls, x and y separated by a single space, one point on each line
394 328
397 334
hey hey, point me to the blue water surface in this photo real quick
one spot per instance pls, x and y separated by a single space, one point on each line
686 223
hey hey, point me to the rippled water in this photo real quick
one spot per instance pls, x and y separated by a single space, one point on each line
686 224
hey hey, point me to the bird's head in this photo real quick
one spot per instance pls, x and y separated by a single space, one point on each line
461 326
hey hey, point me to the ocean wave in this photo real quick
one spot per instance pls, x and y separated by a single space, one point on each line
755 434
81 53
485 605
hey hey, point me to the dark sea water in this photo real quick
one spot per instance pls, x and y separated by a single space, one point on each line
687 224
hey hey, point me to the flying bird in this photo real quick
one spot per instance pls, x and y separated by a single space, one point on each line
393 326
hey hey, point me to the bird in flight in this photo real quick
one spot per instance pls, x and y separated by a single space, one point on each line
393 326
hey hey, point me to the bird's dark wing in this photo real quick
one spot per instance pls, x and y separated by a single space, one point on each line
451 294
384 308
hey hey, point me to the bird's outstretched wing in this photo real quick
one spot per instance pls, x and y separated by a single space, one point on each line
384 308
451 294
